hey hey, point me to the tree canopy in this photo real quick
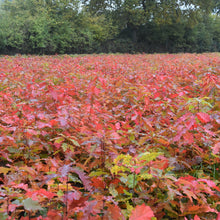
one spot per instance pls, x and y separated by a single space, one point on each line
88 26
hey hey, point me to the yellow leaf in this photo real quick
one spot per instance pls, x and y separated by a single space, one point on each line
4 170
59 140
142 140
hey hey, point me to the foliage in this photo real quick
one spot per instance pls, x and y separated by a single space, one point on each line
110 137
91 26
50 27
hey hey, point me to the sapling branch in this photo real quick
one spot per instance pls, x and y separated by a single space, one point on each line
134 177
103 158
8 206
66 202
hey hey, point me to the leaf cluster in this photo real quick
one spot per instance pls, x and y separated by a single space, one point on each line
110 137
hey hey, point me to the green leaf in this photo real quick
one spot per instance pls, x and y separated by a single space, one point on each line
148 156
60 193
132 137
123 179
65 146
13 150
74 179
75 142
132 181
3 216
113 191
146 176
127 193
31 205
97 173
17 202
191 107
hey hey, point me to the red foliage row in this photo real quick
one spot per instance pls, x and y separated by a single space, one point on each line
65 120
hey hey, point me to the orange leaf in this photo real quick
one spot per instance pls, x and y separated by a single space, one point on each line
198 209
113 212
98 182
54 215
162 165
148 124
141 212
162 141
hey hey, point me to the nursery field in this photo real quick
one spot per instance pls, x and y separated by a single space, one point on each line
110 137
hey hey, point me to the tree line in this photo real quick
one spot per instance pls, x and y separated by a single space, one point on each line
109 26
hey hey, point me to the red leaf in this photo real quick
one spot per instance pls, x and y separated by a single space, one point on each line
98 182
208 131
203 117
76 195
21 186
78 202
1 139
216 148
46 193
41 192
53 122
188 138
64 170
197 209
8 120
160 164
196 217
83 177
41 125
115 136
141 212
117 125
188 178
70 196
54 94
63 121
54 215
210 183
31 132
148 124
113 212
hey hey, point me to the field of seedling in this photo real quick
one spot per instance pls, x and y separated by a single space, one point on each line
110 137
